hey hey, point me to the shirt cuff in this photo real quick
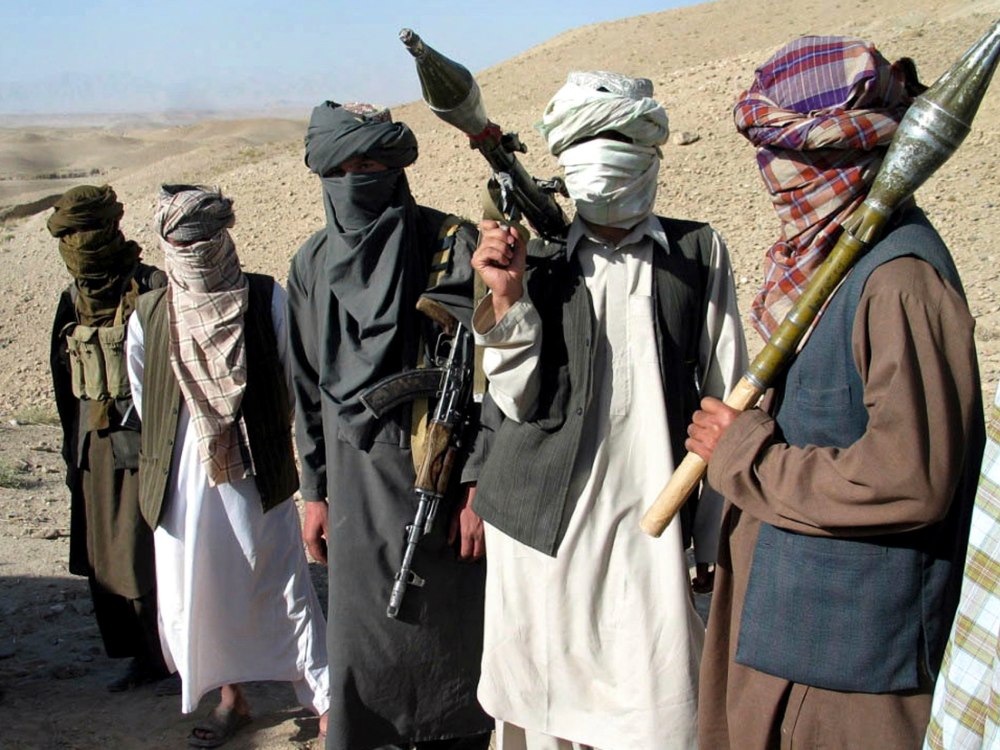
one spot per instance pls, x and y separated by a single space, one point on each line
521 316
738 450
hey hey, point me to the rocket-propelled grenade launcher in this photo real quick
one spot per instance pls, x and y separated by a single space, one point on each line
452 93
932 129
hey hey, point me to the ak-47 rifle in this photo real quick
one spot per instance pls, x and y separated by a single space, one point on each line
452 93
450 382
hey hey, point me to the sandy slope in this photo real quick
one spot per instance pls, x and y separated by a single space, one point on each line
698 58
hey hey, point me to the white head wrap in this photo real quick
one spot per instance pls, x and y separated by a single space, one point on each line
596 102
613 183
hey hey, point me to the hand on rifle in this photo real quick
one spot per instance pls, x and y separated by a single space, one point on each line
467 527
499 260
707 427
314 529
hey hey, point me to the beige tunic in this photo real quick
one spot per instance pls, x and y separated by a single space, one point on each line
912 342
600 645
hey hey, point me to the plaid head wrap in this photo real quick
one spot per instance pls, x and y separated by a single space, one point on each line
207 298
821 112
97 255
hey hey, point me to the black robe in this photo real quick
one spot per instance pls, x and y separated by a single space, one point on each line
413 678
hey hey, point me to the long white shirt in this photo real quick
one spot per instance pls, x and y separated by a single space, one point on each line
235 600
601 644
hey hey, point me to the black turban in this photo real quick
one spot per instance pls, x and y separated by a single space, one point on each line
336 135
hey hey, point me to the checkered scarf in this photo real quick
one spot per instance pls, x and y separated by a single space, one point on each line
207 297
821 112
964 711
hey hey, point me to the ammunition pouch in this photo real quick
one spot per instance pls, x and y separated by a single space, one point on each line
97 361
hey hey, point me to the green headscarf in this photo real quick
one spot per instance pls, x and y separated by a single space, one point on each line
97 255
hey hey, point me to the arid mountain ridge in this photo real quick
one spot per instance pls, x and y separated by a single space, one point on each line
699 58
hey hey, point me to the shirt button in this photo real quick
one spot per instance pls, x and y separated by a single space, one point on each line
579 411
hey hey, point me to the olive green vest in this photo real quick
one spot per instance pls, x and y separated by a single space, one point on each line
266 406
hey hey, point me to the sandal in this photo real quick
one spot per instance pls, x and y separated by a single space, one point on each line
219 727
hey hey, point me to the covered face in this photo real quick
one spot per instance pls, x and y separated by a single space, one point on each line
606 130
375 259
97 255
207 300
821 111
342 136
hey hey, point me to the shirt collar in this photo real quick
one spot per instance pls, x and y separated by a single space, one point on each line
650 227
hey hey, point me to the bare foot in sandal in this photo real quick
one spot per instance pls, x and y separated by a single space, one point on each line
231 715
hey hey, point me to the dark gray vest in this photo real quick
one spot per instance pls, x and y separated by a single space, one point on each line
523 487
866 614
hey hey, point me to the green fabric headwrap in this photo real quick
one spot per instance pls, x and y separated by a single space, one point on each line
96 254
85 208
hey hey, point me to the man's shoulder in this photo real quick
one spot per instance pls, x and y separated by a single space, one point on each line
683 225
150 277
306 258
147 302
436 217
540 250
680 228
912 258
439 225
312 247
694 239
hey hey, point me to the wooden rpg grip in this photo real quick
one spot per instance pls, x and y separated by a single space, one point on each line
690 471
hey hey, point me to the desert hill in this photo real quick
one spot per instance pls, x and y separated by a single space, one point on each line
699 58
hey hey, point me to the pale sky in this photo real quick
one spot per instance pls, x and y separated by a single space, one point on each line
128 56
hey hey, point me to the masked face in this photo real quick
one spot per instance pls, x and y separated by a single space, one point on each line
612 183
359 198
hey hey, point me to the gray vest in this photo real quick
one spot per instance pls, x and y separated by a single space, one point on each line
523 487
266 406
869 614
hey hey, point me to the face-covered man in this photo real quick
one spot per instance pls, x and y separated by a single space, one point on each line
206 303
97 255
606 130
353 290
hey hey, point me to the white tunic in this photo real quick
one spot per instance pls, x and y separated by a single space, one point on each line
601 644
235 600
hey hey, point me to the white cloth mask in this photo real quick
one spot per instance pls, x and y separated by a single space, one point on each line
612 183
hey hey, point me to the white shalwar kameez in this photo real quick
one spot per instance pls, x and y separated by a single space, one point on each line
236 603
600 645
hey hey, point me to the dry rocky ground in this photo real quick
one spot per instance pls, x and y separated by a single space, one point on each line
52 667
